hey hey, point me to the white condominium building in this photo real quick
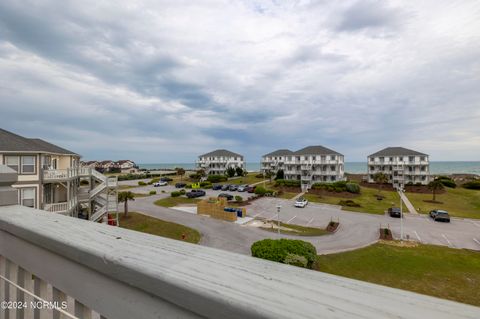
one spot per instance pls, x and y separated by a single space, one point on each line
402 166
50 178
312 164
218 161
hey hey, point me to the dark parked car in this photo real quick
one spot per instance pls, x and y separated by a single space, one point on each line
227 196
166 179
180 185
195 193
440 215
217 187
394 212
250 189
233 188
225 187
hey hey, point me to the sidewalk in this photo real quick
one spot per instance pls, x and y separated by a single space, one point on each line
407 203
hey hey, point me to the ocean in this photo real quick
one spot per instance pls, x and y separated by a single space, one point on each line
350 167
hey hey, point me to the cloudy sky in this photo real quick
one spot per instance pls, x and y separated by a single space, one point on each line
163 81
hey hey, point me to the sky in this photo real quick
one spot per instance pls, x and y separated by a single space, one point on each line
164 81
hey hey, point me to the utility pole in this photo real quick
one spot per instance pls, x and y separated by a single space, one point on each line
278 216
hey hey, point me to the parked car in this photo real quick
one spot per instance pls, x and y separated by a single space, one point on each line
251 189
180 185
161 183
225 187
233 188
217 187
301 202
195 193
225 195
394 212
166 179
439 215
242 188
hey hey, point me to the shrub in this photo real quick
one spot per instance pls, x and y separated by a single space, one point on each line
154 180
447 181
262 191
238 198
280 174
348 203
239 171
216 178
175 194
142 183
206 184
296 260
230 172
259 176
278 250
188 186
287 183
182 191
352 188
472 185
153 192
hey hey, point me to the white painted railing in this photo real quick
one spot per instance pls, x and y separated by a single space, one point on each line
60 174
56 207
116 273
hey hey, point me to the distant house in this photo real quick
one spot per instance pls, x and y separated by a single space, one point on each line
127 166
217 162
402 166
121 166
311 164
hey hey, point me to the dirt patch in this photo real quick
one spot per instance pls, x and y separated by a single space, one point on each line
432 201
385 234
332 226
399 243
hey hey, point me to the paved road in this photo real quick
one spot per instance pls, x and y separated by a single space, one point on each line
356 229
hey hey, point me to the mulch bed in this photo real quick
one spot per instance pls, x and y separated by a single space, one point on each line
432 201
386 234
289 189
332 227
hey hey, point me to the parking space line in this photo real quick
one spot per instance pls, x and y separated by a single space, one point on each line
272 217
416 234
476 224
291 219
448 241
476 240
311 220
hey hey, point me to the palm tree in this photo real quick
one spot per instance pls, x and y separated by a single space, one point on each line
434 186
180 171
124 197
381 179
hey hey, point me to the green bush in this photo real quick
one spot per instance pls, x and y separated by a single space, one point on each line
447 181
230 172
259 176
216 178
238 198
349 203
182 192
154 180
287 183
175 194
279 249
153 192
280 174
352 188
262 191
188 186
142 183
296 260
206 184
472 185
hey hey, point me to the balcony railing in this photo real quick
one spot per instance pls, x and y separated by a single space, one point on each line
101 270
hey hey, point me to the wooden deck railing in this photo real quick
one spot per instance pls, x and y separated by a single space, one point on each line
109 272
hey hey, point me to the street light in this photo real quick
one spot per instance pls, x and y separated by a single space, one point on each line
278 216
401 190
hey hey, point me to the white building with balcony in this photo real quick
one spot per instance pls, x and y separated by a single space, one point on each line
218 161
402 166
312 164
51 178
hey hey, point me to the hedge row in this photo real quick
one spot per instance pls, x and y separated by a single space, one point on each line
447 181
287 183
287 251
472 185
338 187
216 178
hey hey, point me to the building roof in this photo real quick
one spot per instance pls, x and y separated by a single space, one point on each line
396 151
316 150
280 152
10 142
222 152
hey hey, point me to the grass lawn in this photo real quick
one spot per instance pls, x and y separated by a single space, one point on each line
458 202
174 201
287 195
123 187
366 198
249 179
432 270
154 226
297 230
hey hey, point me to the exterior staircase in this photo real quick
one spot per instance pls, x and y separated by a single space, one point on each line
103 196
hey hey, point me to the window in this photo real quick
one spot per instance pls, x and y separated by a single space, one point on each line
27 197
391 159
12 162
411 158
400 159
333 157
28 164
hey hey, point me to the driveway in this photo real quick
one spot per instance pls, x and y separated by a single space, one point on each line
356 229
